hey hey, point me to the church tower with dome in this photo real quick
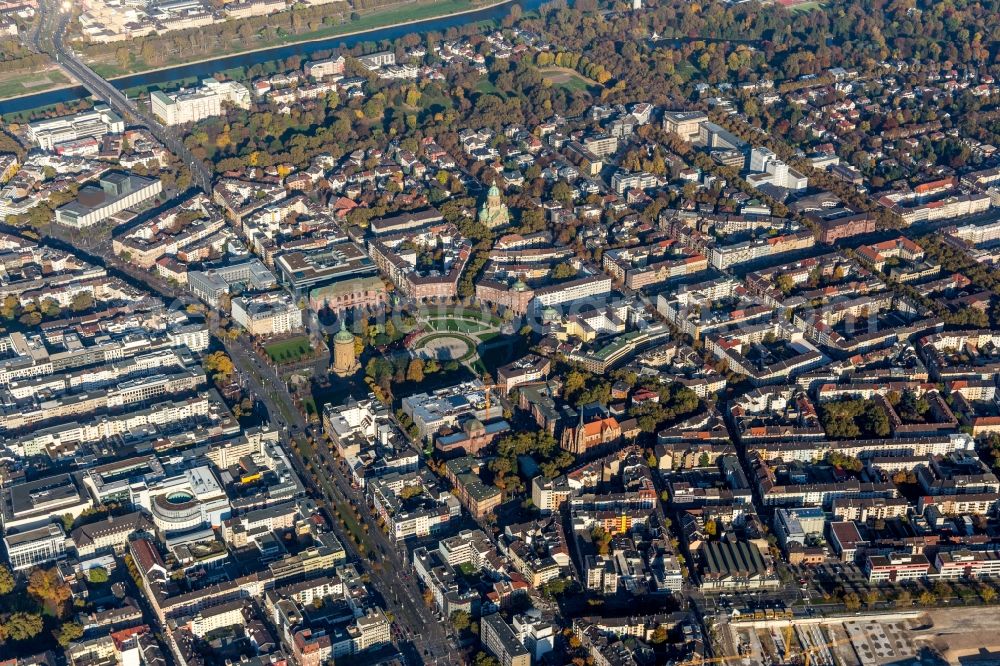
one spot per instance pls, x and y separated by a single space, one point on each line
493 213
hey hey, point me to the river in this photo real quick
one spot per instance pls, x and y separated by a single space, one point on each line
207 68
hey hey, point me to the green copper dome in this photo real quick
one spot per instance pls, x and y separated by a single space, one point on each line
494 191
344 335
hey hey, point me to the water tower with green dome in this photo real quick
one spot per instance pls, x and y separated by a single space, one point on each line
345 361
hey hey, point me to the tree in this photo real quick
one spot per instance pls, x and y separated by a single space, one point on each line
483 659
785 283
988 593
11 308
378 368
68 633
563 272
561 191
852 602
123 57
904 599
415 371
374 108
7 581
410 491
219 365
46 586
601 539
556 587
50 308
81 301
460 620
927 598
21 626
844 462
852 418
31 319
98 575
575 381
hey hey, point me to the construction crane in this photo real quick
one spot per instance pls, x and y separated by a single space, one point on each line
715 660
808 652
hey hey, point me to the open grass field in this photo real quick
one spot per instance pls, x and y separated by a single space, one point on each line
562 77
435 103
805 7
457 325
436 312
26 83
474 313
309 403
686 70
484 86
290 350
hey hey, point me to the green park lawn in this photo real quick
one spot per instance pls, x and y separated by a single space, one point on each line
288 351
15 84
562 77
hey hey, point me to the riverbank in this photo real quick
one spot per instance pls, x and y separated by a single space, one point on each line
171 77
26 84
411 14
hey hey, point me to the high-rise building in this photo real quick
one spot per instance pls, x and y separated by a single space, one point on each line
192 105
501 640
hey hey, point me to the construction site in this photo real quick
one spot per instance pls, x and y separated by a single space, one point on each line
966 636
